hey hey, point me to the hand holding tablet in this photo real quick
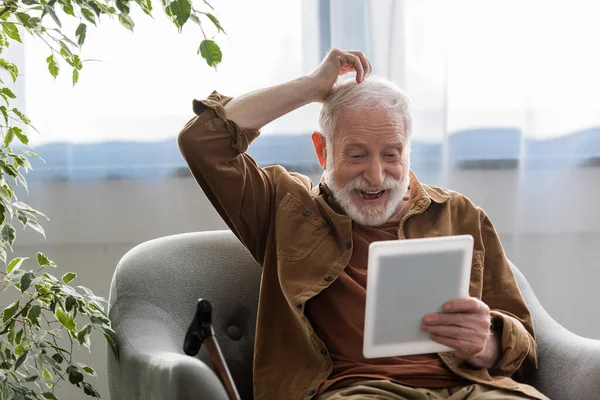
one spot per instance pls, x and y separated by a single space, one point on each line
407 280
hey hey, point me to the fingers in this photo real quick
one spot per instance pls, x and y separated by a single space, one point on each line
366 64
474 321
352 61
466 305
355 61
465 349
466 334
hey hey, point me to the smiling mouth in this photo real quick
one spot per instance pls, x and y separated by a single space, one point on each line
370 195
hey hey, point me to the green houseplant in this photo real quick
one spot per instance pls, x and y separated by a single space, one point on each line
47 316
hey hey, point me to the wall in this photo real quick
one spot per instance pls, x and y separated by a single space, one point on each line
550 229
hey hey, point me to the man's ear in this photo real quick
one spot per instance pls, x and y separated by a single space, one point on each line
320 148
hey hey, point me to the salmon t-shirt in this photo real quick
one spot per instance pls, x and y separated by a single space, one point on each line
338 313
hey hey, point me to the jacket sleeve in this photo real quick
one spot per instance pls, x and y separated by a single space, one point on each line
510 316
214 148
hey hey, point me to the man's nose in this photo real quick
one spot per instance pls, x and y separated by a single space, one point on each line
375 174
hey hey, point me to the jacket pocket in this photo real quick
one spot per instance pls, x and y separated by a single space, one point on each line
298 229
476 284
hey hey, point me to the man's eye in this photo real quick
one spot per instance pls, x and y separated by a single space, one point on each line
356 156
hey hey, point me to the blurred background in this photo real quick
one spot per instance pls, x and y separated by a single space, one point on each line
506 102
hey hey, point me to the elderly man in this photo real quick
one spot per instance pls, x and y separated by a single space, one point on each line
312 244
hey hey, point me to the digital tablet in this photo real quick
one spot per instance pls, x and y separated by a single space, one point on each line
406 280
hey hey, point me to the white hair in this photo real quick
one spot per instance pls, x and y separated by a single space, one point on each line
372 93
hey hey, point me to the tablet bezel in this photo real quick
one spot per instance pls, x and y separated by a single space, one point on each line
380 249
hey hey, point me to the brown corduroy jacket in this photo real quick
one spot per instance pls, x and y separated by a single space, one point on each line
303 245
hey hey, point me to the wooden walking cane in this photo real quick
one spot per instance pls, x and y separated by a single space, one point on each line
201 331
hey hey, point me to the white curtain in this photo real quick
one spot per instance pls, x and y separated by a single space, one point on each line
495 80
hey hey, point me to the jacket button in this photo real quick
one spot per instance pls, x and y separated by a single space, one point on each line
306 213
347 245
310 392
328 278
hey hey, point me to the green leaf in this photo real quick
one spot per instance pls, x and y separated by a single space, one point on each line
65 50
24 19
88 15
122 6
80 33
44 261
179 11
208 4
19 336
99 320
111 342
15 264
90 391
11 334
11 68
10 311
146 6
211 52
126 21
32 154
2 254
77 62
11 31
70 303
21 116
50 10
49 396
215 22
33 314
18 132
4 113
26 281
21 359
20 349
75 376
65 319
68 277
8 137
99 8
58 358
53 67
22 181
22 217
8 233
83 337
8 93
75 77
68 7
88 370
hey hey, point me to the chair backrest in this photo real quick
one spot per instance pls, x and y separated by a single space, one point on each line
173 272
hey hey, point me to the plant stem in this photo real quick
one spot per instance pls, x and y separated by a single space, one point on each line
17 315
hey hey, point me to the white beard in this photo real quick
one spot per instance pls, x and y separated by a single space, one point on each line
365 215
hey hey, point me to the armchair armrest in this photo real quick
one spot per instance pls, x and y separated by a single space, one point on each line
152 365
569 365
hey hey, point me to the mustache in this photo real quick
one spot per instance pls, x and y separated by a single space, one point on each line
359 183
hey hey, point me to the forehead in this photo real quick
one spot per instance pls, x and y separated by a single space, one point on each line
369 125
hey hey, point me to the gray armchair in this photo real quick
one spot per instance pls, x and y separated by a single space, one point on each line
153 297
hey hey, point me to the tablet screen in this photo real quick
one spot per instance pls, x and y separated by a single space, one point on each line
399 293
